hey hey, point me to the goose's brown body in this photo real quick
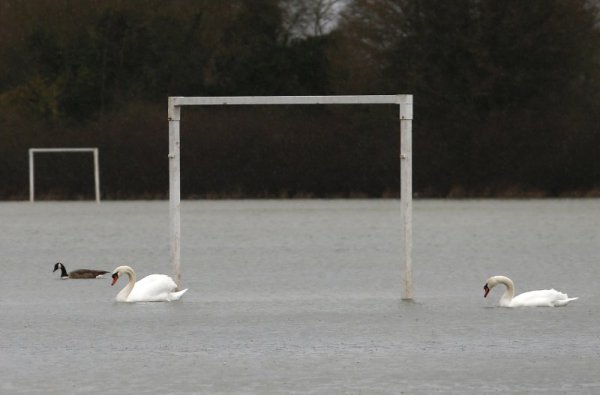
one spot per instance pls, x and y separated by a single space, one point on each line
78 274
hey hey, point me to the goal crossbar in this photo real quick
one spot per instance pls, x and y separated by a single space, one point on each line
32 151
287 100
405 103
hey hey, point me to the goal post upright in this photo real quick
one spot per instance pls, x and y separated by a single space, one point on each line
96 174
406 115
174 191
405 102
31 177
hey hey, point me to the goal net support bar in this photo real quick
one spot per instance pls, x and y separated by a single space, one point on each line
405 103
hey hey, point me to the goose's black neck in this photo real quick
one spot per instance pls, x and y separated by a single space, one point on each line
63 271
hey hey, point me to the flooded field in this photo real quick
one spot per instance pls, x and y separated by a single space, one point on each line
300 297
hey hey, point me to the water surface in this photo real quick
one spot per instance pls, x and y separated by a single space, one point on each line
300 297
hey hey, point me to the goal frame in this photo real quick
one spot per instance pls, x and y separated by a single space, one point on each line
33 151
405 103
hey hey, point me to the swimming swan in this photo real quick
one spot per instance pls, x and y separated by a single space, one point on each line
541 298
152 288
81 273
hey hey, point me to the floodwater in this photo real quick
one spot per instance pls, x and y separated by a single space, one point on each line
301 297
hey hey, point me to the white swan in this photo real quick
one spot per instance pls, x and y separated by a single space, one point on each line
541 298
152 288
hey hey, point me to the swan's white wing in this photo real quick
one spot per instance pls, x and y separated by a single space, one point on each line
541 298
177 295
153 288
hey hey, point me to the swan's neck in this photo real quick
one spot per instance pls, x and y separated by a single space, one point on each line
122 296
510 289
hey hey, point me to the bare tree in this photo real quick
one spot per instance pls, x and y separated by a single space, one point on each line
304 18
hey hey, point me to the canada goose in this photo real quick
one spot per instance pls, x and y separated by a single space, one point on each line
81 273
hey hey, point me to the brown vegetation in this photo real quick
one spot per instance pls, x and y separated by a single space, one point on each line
506 96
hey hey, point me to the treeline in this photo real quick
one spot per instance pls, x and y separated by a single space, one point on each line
507 96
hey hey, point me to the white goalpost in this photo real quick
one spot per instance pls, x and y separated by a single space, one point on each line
32 151
405 103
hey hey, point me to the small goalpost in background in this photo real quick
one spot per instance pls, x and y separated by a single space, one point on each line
32 151
405 102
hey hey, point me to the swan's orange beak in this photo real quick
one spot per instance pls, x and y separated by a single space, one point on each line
486 290
115 278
